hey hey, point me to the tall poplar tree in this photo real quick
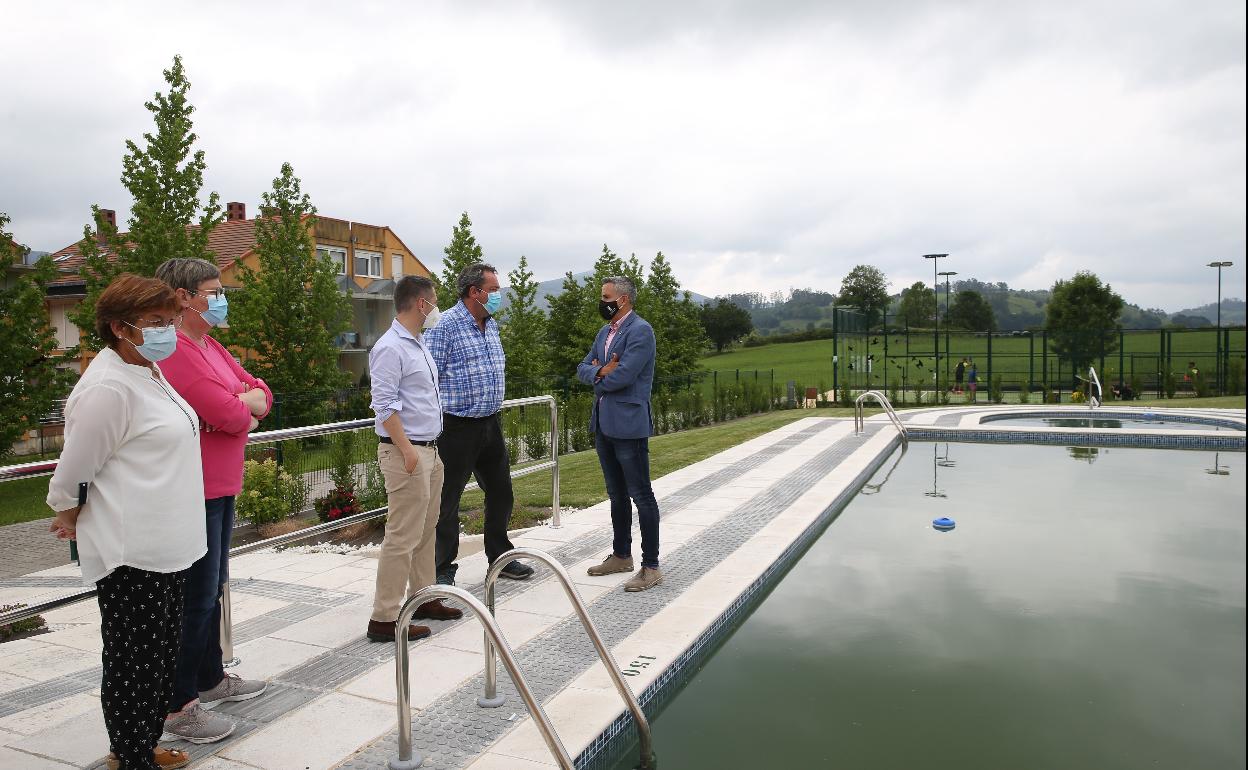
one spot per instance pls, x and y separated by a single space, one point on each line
164 178
678 332
290 310
29 378
462 251
523 331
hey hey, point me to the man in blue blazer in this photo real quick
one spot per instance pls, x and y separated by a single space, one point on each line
620 367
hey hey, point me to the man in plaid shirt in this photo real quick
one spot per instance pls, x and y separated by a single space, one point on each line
469 355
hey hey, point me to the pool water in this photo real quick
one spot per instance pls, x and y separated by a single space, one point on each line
1086 612
1104 422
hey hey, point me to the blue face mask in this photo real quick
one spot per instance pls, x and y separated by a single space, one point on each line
218 309
493 302
158 342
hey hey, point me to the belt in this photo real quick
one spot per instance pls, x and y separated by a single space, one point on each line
470 419
429 443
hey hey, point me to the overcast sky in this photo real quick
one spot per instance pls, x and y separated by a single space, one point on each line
760 145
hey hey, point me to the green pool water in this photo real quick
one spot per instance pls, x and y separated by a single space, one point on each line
1088 611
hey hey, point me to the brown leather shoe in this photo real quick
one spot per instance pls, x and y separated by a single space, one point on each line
167 759
383 631
436 610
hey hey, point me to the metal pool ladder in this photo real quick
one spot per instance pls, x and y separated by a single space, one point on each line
1094 401
491 698
407 759
860 419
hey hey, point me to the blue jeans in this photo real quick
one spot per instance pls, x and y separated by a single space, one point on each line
199 656
626 469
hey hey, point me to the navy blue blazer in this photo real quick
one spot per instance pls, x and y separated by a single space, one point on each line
622 398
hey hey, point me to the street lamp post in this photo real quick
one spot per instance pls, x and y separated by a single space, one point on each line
946 274
936 332
1218 346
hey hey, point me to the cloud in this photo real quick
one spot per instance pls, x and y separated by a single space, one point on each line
759 145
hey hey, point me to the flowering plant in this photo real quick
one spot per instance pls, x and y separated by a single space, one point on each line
338 504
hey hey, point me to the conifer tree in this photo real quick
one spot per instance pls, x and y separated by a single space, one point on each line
462 251
164 178
567 345
679 336
523 331
29 378
290 310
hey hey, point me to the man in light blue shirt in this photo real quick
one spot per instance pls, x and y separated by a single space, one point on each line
409 420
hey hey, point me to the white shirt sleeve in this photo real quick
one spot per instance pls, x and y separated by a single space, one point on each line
95 426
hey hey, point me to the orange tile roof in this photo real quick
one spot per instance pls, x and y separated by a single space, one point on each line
229 241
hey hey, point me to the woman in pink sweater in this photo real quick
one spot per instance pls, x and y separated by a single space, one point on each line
230 403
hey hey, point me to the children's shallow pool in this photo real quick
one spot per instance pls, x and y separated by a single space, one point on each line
1088 611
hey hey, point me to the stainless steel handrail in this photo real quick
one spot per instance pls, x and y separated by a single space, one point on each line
860 418
46 467
491 699
408 759
1095 401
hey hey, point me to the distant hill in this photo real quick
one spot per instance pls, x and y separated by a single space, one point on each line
1015 309
555 286
1232 312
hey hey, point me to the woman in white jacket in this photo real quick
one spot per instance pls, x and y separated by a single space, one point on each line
129 487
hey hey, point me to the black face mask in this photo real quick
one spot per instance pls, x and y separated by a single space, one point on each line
608 309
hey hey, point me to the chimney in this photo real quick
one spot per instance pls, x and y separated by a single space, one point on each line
106 218
235 211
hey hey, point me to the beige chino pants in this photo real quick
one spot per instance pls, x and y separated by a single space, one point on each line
406 564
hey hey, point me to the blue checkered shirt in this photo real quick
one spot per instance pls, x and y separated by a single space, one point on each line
470 363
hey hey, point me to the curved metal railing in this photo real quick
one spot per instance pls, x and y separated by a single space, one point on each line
408 759
45 468
1095 401
882 400
491 698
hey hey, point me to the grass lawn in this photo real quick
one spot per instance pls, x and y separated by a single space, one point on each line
23 500
580 478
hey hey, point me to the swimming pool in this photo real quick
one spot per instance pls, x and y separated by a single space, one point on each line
1136 422
1087 611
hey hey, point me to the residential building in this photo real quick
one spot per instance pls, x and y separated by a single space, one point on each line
369 259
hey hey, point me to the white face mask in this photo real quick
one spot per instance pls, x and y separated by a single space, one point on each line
434 316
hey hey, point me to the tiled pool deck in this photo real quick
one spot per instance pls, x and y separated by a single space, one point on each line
732 523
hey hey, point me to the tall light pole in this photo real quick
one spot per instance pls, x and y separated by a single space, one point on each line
946 274
936 332
1218 346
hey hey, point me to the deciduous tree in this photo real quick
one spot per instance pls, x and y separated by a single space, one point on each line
29 378
1079 318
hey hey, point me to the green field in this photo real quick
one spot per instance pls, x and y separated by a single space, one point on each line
1017 359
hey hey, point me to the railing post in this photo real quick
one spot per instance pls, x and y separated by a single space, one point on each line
556 520
229 660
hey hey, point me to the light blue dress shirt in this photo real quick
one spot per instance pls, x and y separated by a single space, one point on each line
405 380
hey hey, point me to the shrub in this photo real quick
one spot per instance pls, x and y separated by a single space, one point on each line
1137 385
1076 396
1235 377
1024 394
1200 384
511 433
269 495
342 459
1170 384
10 630
996 393
339 503
372 495
536 437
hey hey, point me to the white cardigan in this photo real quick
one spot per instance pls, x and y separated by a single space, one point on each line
130 435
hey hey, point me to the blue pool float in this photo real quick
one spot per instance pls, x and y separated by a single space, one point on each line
944 524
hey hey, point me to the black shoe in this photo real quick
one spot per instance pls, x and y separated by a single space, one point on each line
517 571
445 579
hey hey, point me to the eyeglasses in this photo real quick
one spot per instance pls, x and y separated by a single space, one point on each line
158 323
215 293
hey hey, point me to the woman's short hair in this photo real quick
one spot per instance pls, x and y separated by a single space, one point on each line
184 273
128 297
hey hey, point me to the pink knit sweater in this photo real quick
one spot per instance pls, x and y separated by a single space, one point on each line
209 379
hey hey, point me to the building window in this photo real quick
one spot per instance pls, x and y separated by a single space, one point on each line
336 255
367 264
